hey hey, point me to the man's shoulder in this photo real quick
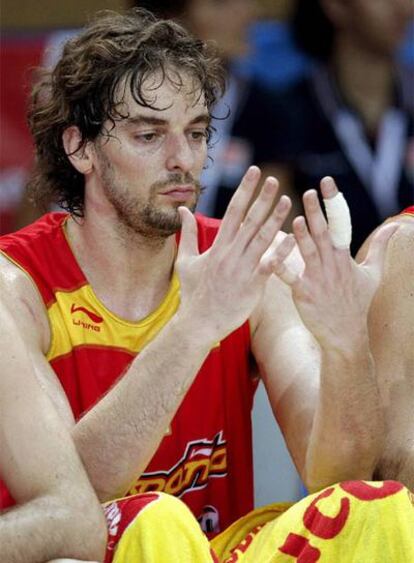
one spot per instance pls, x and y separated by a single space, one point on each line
19 296
404 233
409 211
401 247
33 247
42 253
405 220
44 227
13 280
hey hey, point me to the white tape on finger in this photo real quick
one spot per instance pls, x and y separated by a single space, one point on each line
339 221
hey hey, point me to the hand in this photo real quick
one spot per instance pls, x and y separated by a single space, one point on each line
332 293
221 287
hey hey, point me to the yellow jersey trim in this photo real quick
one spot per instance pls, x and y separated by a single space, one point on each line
79 319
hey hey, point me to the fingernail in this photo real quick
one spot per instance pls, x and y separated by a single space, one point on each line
282 205
327 180
252 172
301 223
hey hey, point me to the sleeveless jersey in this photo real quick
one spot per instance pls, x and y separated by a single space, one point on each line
408 211
205 457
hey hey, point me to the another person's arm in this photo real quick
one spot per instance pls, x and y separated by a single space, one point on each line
57 513
391 325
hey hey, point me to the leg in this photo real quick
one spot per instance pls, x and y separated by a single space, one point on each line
352 521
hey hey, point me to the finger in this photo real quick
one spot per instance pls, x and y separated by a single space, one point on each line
318 226
287 275
337 211
328 188
259 210
274 260
263 239
306 245
375 258
238 206
263 220
188 245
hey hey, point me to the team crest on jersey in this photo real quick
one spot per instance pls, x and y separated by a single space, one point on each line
202 460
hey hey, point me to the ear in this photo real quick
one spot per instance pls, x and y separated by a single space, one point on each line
79 157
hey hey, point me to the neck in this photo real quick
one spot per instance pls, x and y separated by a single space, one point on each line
128 272
365 80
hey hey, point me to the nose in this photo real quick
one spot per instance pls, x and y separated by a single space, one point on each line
180 156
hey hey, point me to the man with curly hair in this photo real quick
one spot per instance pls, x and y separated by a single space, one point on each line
141 319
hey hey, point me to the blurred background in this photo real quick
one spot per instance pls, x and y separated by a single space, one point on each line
315 87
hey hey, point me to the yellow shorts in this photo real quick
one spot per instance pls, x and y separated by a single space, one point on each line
353 522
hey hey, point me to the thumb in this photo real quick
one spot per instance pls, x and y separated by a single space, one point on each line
188 245
375 258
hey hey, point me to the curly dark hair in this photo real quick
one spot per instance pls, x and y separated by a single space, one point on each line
82 90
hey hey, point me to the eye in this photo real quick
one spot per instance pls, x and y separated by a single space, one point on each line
147 137
198 134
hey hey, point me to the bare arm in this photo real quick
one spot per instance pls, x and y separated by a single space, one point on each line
129 423
57 512
219 290
391 326
321 379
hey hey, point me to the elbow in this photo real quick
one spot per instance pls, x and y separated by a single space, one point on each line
91 531
107 493
83 526
95 527
316 481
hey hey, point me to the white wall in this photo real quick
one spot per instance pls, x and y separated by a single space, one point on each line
275 476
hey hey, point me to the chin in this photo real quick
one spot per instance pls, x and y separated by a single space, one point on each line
165 224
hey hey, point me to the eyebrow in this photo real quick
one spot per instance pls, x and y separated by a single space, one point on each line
202 118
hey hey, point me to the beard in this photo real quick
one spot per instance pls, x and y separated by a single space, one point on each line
143 216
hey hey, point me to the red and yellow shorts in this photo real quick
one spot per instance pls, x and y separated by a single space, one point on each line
355 521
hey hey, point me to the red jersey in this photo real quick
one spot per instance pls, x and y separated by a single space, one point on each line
205 457
408 210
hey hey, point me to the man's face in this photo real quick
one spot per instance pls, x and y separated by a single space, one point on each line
151 162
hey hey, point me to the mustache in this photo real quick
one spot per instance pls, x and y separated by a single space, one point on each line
178 179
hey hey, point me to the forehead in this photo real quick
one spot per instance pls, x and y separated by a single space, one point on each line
171 93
